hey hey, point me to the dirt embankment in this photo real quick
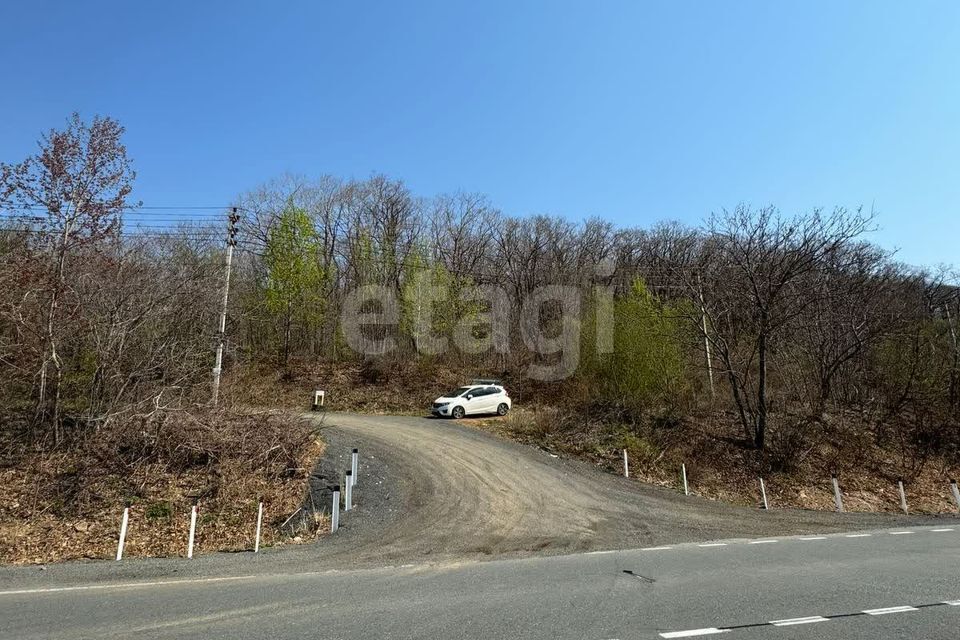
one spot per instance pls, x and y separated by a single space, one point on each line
67 504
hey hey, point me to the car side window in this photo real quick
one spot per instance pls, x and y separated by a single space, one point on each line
489 391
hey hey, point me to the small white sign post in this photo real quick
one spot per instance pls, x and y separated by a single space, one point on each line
256 539
193 530
348 491
123 532
837 497
335 510
956 492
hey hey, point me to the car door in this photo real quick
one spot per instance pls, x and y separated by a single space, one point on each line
495 397
473 401
488 399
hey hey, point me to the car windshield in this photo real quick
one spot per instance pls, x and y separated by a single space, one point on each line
457 392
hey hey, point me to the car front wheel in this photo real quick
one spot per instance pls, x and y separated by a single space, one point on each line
458 412
502 409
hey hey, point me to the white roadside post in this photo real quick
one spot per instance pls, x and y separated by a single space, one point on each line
626 465
193 530
955 491
763 492
354 465
256 538
335 510
903 496
686 488
837 497
123 532
348 491
318 398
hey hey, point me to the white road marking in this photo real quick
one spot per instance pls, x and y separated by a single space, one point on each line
599 553
858 535
882 612
789 622
762 541
814 538
123 585
690 633
792 621
713 544
940 530
900 533
655 548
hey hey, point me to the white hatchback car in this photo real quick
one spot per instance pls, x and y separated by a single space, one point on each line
471 400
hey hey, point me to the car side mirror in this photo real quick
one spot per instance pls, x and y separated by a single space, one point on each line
470 397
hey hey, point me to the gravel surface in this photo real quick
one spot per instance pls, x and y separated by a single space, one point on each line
432 488
437 491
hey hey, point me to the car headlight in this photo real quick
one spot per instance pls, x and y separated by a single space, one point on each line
439 405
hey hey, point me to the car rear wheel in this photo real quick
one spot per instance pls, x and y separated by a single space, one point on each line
502 409
458 412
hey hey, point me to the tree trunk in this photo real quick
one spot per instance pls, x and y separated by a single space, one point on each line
286 336
49 410
761 424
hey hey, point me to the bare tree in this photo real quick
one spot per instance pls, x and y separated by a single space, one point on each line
757 263
79 182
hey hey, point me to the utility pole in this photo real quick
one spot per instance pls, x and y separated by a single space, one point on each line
233 219
956 354
706 335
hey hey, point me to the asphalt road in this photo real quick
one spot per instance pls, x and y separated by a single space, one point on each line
459 534
735 589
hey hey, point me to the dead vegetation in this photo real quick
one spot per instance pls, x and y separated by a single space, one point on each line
376 387
66 504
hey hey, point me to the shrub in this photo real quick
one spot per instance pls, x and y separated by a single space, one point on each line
646 369
158 511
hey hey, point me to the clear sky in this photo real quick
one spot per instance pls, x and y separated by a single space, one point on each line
633 111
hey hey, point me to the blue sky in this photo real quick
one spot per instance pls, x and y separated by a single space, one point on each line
633 111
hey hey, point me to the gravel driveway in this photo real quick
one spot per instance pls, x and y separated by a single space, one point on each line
432 488
434 491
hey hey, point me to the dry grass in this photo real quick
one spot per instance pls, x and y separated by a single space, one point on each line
399 387
68 504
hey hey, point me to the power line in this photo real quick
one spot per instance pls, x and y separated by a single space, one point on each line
225 208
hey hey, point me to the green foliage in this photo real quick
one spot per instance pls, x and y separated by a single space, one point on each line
294 274
296 278
646 368
641 450
159 511
431 299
